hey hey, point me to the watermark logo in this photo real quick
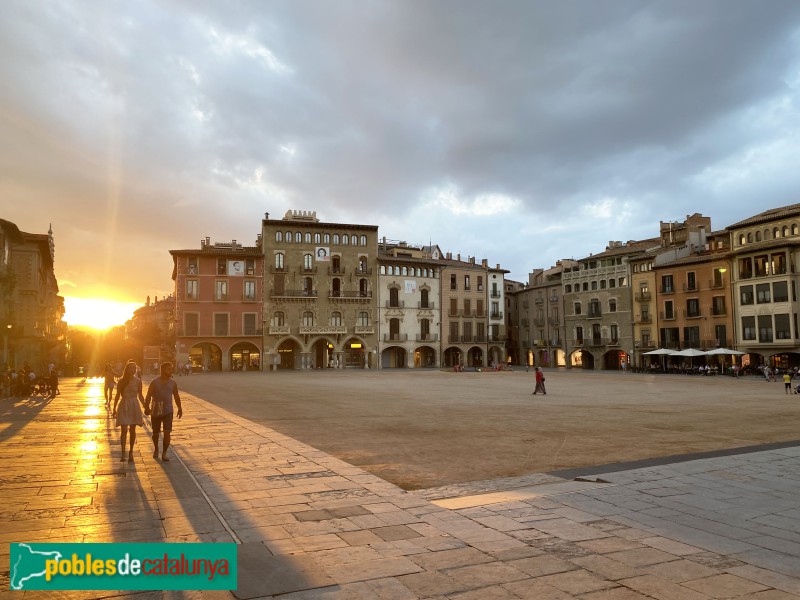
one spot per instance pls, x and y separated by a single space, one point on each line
123 566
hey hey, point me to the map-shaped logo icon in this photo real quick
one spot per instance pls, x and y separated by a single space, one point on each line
27 564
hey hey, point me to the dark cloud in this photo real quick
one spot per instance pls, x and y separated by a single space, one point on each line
522 131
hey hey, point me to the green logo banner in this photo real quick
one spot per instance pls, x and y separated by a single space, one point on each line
123 566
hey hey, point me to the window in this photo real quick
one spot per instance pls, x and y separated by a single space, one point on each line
191 324
221 290
666 284
614 334
363 240
278 236
317 238
496 310
480 283
425 329
288 236
748 328
453 282
479 307
363 319
691 281
760 264
249 324
423 302
454 331
691 337
383 269
278 319
345 240
353 240
221 324
308 319
765 329
612 283
780 291
585 286
308 286
336 319
336 238
363 288
602 284
577 308
669 310
191 289
612 305
467 307
298 237
782 327
405 271
568 289
779 264
593 285
692 307
742 240
720 336
279 261
718 306
308 262
250 266
191 267
466 282
758 236
763 293
594 308
794 229
249 290
579 335
326 238
307 237
623 281
746 292
394 298
745 268
221 266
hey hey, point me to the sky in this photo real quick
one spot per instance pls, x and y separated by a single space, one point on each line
517 131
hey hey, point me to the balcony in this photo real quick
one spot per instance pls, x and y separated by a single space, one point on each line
577 343
594 314
643 296
553 299
398 304
294 294
645 344
667 289
321 329
364 329
554 321
690 287
395 337
692 314
426 305
667 316
611 341
336 270
467 339
719 312
312 269
715 285
363 271
644 319
539 301
274 269
496 315
279 330
427 337
494 294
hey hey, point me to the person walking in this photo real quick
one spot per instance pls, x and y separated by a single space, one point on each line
787 382
127 408
110 380
539 382
161 392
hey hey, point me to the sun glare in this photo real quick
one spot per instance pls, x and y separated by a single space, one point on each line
96 313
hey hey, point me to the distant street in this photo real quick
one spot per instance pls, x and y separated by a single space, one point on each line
430 428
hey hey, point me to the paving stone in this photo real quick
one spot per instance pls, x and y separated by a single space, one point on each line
577 582
725 586
261 574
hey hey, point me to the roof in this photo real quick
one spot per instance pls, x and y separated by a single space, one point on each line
773 214
702 257
632 247
251 251
12 231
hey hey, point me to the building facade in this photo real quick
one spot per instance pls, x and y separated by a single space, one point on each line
218 300
409 310
766 254
320 304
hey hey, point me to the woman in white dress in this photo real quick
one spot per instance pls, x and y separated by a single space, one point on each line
128 412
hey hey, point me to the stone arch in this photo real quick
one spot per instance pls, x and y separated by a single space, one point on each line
244 356
205 356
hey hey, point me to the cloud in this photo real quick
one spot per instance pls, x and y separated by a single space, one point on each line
511 129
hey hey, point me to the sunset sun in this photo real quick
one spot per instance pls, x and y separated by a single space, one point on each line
97 313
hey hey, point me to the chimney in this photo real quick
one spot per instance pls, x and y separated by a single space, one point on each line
472 260
484 263
458 256
208 241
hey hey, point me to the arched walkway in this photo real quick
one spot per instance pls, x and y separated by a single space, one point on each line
393 357
475 357
322 354
613 359
424 356
205 356
288 356
355 354
245 356
582 359
452 357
